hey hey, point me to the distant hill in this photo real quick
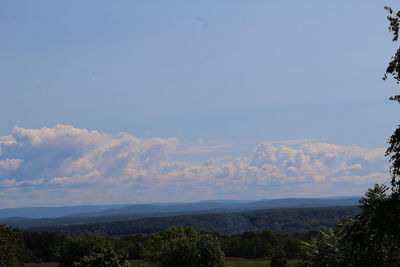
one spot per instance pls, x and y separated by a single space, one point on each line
125 209
53 212
111 213
227 206
283 221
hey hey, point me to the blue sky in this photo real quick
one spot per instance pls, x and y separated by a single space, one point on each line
211 79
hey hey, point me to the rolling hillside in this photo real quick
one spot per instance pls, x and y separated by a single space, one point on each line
283 221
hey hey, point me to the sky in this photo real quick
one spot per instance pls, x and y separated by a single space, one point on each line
159 101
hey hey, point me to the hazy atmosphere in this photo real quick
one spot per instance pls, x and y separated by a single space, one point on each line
179 101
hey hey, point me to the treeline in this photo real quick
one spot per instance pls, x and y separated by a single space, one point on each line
369 239
50 247
281 221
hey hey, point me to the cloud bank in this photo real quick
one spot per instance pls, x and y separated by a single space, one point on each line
67 166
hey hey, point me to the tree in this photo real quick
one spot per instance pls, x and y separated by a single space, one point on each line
372 238
180 246
278 258
42 247
393 70
323 250
11 245
74 248
291 246
89 250
106 258
365 240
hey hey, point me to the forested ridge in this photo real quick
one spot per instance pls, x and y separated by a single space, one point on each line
281 221
23 218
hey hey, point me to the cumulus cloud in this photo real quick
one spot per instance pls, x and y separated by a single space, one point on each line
9 164
65 165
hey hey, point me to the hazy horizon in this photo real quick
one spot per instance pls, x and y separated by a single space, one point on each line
180 202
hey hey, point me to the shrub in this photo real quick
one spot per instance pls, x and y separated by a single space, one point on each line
180 246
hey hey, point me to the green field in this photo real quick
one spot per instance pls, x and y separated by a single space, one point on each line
230 262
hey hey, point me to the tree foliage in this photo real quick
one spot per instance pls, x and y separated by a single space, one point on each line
89 250
372 238
369 239
11 245
288 221
42 247
106 258
279 258
393 70
323 250
46 247
74 248
180 246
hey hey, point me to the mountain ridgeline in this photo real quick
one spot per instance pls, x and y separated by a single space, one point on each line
52 216
288 221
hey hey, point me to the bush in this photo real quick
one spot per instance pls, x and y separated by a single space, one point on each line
89 250
279 258
107 258
180 246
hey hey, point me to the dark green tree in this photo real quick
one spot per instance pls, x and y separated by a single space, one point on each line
278 258
42 247
393 70
106 258
11 245
291 246
324 250
365 240
180 246
88 249
74 248
369 239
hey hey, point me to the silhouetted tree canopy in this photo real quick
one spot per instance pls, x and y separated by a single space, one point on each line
393 70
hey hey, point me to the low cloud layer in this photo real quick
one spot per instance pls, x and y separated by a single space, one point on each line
67 166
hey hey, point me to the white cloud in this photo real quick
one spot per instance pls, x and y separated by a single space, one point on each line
13 182
292 141
202 149
6 140
66 165
9 164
